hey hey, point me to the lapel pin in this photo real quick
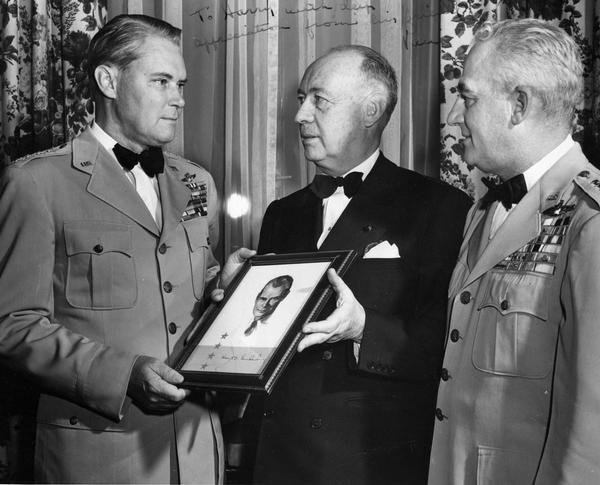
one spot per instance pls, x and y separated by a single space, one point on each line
367 228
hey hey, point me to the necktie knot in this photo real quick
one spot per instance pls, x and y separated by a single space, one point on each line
507 193
151 160
324 186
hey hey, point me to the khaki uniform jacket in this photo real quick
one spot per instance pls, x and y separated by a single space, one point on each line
519 398
88 283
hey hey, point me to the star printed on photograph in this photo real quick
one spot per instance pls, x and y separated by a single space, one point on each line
218 346
211 355
225 335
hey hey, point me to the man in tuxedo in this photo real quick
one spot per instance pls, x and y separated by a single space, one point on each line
356 403
105 254
520 400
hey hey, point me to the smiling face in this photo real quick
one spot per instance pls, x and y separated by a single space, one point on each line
149 94
330 113
483 113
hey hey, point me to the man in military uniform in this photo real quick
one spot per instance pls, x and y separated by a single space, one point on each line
519 396
103 267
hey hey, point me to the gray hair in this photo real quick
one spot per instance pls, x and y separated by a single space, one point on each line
119 41
536 54
376 67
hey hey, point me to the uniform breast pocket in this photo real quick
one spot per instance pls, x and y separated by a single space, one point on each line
100 267
196 231
514 336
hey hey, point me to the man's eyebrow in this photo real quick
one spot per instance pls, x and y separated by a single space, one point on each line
168 76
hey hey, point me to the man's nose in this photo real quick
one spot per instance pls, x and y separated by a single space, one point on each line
177 98
305 112
455 117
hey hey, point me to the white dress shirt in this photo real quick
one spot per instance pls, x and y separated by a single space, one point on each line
334 205
532 175
146 187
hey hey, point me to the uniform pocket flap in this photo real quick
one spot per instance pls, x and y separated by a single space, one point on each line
521 293
196 231
97 238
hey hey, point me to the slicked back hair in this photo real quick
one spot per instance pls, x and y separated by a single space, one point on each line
118 42
536 54
375 67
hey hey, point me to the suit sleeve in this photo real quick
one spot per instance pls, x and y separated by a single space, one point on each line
572 447
410 346
265 245
31 340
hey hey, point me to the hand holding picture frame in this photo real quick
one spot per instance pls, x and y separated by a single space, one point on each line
246 341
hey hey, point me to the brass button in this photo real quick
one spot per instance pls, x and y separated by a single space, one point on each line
439 414
504 305
367 228
316 423
162 249
168 287
172 328
327 355
465 297
74 420
98 248
445 374
454 335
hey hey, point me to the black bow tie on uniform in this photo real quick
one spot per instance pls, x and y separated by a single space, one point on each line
508 193
324 186
151 160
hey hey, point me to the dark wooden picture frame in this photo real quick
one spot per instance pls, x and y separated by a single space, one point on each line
245 341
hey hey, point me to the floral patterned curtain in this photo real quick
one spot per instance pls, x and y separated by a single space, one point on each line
45 101
45 97
460 19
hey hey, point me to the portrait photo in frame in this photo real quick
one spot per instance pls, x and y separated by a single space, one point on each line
245 341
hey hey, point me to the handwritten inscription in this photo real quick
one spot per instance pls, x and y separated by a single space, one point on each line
270 23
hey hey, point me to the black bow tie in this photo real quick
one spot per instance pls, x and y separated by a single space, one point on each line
508 193
324 185
151 160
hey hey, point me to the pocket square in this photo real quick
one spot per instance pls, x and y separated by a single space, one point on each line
382 250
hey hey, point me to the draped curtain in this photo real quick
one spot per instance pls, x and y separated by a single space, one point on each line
244 60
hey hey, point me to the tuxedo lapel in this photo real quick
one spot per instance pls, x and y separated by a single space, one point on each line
364 220
108 182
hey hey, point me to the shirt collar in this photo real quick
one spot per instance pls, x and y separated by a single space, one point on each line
366 166
536 171
107 141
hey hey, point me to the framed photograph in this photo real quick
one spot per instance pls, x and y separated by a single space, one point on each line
245 341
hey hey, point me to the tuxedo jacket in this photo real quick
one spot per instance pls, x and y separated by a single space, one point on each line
88 283
330 419
521 400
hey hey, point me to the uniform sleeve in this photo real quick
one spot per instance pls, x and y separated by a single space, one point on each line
410 346
572 450
31 340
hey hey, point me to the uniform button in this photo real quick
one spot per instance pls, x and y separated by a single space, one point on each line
504 305
268 413
445 374
454 335
162 249
465 297
168 287
327 355
367 228
316 423
439 414
98 248
74 420
172 328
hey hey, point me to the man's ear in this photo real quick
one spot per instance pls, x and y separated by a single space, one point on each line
521 104
373 108
106 79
